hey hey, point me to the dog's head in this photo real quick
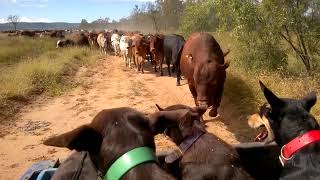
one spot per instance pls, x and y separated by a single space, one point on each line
285 118
177 126
112 133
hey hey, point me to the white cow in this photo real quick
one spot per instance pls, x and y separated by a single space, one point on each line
125 49
115 42
102 42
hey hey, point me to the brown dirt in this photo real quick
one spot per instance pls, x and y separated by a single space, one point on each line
108 85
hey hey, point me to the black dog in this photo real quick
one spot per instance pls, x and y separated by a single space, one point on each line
296 131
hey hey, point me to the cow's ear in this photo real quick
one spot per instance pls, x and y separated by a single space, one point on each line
159 108
83 138
189 57
160 120
272 99
310 100
224 66
226 53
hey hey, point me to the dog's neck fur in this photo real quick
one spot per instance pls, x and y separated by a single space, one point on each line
304 163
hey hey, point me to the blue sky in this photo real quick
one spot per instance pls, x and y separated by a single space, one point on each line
66 10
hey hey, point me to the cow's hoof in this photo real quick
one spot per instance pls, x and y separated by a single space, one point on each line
178 83
213 112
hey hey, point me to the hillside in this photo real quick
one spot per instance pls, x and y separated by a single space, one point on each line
40 25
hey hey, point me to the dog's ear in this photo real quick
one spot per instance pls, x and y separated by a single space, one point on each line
272 99
160 120
310 100
200 109
83 138
159 108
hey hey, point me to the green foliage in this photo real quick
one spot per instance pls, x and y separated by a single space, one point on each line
198 16
263 26
262 57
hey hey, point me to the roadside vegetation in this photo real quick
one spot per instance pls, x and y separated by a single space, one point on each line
32 66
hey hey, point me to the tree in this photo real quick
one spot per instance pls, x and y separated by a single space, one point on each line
14 19
265 25
84 24
198 16
171 11
154 14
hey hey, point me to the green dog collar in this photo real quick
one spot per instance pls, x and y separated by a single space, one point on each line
128 161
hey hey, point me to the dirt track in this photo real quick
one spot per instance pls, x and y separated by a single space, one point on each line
108 85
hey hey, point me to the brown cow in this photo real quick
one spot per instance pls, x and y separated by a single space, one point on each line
202 63
75 39
156 48
140 49
92 37
28 33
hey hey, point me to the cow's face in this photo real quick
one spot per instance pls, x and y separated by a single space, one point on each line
209 77
155 42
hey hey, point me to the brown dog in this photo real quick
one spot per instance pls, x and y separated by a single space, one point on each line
112 133
204 155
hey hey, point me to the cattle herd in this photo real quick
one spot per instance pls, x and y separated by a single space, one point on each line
119 142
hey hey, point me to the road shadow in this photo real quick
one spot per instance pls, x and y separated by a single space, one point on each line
238 102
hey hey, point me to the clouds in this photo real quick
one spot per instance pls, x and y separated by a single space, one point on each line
26 3
3 20
27 19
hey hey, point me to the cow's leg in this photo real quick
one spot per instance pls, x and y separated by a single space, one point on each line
168 64
155 65
161 62
129 60
155 57
138 62
178 75
142 63
174 59
134 60
194 93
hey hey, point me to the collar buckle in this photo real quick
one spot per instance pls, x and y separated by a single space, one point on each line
283 159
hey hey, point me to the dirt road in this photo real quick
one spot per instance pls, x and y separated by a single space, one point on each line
107 85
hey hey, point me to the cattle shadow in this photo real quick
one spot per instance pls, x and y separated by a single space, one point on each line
150 68
238 102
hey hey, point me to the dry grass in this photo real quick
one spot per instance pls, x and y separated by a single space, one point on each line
242 91
15 49
48 71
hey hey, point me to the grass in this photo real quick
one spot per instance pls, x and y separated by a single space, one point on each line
48 71
242 91
137 88
15 49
